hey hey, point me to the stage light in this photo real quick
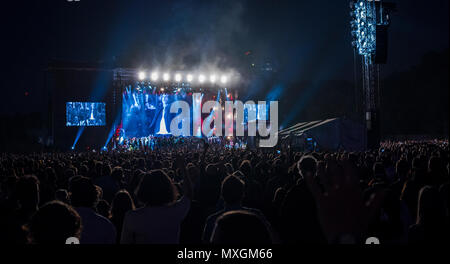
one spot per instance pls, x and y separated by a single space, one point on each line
162 89
201 78
229 116
189 77
223 79
212 78
141 75
177 77
228 95
166 77
154 76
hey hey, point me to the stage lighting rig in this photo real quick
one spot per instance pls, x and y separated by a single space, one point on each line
369 20
369 23
139 77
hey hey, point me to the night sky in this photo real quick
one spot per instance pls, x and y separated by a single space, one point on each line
304 39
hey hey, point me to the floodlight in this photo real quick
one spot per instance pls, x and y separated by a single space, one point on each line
189 77
177 77
201 78
223 79
212 78
166 77
154 76
141 75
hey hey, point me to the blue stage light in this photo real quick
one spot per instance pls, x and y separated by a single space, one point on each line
79 132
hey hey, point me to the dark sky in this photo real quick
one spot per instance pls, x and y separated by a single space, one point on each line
305 39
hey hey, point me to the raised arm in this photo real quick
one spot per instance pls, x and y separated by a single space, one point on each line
187 183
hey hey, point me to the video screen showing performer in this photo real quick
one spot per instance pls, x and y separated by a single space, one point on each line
85 114
148 114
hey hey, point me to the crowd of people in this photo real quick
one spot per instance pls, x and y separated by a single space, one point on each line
151 143
398 193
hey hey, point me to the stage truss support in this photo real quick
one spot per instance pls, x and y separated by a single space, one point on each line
369 24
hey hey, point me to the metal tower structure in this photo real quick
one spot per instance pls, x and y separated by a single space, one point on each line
369 23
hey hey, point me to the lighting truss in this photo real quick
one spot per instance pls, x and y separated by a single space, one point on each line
366 16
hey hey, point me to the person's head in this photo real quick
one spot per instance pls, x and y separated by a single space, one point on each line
141 164
246 168
430 209
27 191
379 172
402 168
106 170
50 175
434 164
212 170
135 179
279 196
233 190
444 191
156 189
84 170
62 195
417 163
193 172
83 193
103 208
117 174
9 185
157 165
307 164
229 168
121 204
69 173
53 223
99 192
241 227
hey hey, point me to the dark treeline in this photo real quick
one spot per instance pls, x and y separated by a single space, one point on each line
412 102
416 101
